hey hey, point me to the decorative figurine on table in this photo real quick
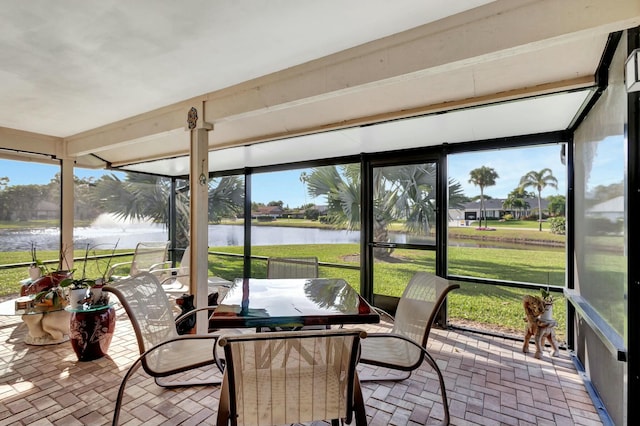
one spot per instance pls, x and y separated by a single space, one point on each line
540 323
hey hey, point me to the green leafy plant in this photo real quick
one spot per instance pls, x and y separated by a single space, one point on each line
558 225
37 263
83 281
51 297
546 295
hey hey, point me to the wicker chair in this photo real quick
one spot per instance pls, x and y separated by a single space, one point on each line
163 352
404 348
292 267
291 377
148 257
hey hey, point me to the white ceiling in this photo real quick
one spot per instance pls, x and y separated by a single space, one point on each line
551 113
112 80
70 66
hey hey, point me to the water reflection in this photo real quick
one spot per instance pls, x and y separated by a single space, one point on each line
105 233
128 237
330 296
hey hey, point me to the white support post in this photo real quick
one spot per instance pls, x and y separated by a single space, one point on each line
199 199
67 202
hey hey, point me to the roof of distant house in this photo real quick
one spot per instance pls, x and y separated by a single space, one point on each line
497 204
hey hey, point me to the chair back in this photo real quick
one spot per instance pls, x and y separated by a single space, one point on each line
183 273
148 308
148 254
183 269
292 267
289 377
417 309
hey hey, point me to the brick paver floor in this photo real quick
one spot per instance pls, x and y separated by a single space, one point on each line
489 382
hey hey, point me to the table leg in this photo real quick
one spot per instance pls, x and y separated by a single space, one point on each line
47 329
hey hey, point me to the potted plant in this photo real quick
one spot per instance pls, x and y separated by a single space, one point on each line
36 268
51 298
46 279
76 290
85 290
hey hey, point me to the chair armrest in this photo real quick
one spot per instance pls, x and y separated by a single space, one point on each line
430 360
384 313
185 315
142 360
160 273
114 267
160 267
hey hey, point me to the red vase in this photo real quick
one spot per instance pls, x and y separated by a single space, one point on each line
91 331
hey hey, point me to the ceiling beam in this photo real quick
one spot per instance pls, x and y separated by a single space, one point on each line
28 142
497 30
128 132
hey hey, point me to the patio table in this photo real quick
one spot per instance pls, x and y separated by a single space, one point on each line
292 303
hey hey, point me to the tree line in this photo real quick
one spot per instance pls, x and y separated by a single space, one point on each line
405 193
484 177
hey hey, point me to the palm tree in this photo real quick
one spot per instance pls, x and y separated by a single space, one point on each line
483 176
303 179
556 206
539 181
516 201
226 197
400 192
142 196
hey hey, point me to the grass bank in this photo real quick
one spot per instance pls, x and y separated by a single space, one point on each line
477 305
497 307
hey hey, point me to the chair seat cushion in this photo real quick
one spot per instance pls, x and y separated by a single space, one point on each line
388 351
180 355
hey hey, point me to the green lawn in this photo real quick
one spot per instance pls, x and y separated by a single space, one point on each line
518 235
479 305
496 306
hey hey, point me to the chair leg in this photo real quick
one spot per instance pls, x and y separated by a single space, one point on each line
123 383
223 405
358 404
445 403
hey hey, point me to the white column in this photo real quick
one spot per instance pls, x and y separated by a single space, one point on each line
199 197
67 203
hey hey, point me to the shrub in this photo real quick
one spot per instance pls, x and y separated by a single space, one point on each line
312 214
558 225
266 218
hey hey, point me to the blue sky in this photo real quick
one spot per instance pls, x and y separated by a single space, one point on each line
285 186
510 164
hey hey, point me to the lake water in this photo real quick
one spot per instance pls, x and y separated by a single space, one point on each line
106 231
